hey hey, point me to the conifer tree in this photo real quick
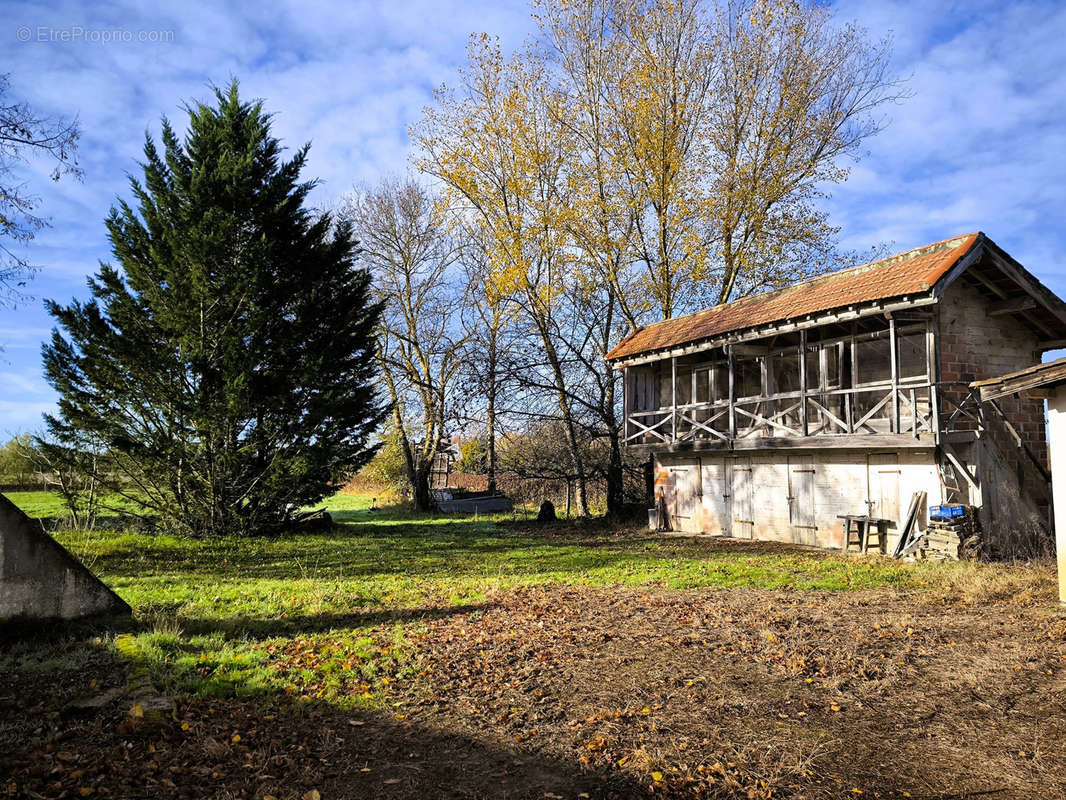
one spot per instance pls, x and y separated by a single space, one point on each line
225 364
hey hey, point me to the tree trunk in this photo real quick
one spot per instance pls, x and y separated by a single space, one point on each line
423 500
615 478
615 474
490 455
564 407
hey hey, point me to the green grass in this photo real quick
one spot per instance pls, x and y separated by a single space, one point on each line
330 615
47 505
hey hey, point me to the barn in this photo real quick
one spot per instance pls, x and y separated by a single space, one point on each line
773 416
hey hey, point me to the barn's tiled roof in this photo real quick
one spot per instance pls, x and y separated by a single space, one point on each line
912 272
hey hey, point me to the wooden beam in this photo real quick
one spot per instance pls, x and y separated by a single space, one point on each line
1051 344
849 399
1012 305
932 365
732 394
864 441
1017 273
981 279
963 264
803 383
1039 376
956 462
673 399
894 421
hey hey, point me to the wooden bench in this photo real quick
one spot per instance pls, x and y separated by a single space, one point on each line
858 528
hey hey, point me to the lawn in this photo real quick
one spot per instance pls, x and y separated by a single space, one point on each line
405 655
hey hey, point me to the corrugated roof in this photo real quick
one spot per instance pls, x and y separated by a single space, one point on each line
912 272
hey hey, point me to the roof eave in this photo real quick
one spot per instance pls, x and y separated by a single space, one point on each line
804 322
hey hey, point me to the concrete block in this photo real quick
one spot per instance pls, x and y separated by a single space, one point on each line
41 579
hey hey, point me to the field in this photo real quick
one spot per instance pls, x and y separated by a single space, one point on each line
404 656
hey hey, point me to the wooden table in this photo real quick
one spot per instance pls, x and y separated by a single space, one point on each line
860 525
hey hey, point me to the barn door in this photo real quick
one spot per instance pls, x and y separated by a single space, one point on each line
685 482
715 505
801 499
740 489
883 476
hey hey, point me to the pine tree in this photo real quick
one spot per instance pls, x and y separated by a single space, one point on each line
226 366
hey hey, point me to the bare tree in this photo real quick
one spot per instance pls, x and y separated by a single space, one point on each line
420 339
488 318
26 134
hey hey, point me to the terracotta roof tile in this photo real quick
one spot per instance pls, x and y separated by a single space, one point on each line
912 272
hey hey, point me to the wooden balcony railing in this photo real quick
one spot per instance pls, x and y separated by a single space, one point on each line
906 409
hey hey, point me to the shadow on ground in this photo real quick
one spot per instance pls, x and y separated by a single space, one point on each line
285 749
269 627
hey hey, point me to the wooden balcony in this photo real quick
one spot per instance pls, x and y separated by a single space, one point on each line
869 387
838 418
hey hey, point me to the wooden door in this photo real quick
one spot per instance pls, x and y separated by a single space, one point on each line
715 500
883 477
685 494
801 500
740 490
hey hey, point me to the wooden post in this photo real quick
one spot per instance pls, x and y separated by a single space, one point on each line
849 398
673 399
626 390
732 392
803 382
893 423
914 415
932 371
1056 429
767 380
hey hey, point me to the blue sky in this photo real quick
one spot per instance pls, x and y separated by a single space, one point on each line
981 144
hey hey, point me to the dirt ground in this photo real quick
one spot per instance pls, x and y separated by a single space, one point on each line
561 692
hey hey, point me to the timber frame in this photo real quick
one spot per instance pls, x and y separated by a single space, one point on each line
710 405
863 375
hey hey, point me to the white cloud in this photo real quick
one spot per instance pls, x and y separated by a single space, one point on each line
978 147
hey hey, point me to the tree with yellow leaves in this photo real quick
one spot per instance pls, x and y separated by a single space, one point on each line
644 158
499 149
719 124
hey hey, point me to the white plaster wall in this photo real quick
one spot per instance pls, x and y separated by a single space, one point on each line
841 486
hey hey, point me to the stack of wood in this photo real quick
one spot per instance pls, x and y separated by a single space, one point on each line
949 539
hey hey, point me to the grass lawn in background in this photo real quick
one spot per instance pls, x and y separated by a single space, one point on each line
569 658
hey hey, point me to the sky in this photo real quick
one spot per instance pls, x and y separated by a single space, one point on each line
980 144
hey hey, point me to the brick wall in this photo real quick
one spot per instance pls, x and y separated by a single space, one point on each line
974 346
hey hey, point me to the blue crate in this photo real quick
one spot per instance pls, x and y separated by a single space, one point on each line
946 512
